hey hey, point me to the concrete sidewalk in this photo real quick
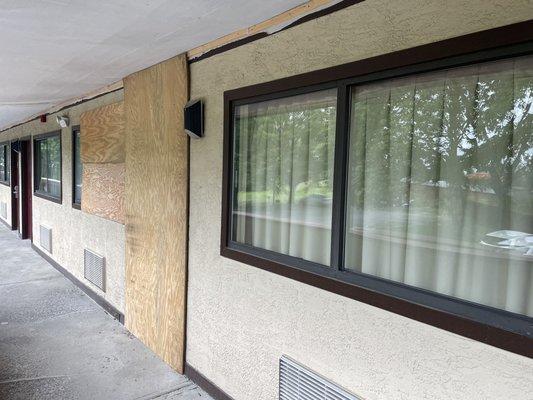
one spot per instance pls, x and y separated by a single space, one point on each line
56 343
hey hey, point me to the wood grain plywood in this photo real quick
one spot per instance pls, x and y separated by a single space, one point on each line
103 190
102 134
156 207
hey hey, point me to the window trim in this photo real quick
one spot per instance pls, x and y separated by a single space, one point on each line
499 328
7 161
75 129
37 138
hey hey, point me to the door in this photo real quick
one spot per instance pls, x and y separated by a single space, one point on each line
25 190
14 185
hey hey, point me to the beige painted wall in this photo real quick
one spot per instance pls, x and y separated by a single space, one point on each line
5 196
72 229
242 319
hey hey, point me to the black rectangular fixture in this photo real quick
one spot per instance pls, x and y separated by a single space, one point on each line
194 118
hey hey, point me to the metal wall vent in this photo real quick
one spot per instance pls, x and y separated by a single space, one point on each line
94 268
3 210
45 238
296 382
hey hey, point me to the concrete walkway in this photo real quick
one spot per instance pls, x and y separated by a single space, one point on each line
56 343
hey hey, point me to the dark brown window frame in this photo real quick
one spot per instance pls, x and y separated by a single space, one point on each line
7 161
37 138
75 130
492 326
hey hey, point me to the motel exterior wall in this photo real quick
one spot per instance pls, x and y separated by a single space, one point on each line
72 229
5 197
241 319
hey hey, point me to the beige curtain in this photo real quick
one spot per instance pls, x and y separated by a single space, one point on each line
283 167
441 183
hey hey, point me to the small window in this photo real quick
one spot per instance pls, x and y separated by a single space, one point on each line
283 164
77 172
47 156
4 163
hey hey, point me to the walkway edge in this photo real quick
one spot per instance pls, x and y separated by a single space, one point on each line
205 384
108 307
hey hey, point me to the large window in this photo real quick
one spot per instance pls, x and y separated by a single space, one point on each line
77 170
5 167
411 189
47 158
440 182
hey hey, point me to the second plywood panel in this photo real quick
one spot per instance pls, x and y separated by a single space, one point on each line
103 190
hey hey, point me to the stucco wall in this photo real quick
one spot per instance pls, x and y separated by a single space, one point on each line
242 319
72 229
5 196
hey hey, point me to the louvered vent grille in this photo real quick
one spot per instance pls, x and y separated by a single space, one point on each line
3 210
296 382
94 268
46 238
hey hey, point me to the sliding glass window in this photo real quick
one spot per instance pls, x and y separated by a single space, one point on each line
419 187
440 183
5 163
77 171
284 152
47 156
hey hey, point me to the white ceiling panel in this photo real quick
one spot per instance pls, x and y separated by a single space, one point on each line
55 50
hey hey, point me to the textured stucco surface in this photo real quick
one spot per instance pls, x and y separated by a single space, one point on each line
72 229
242 319
5 196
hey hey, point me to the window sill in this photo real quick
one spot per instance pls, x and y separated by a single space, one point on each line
5 183
77 206
366 291
48 197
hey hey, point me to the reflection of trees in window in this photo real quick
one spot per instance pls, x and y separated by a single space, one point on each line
283 160
48 168
3 163
445 138
289 152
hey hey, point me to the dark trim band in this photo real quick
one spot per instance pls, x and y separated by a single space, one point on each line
495 327
108 307
205 384
306 18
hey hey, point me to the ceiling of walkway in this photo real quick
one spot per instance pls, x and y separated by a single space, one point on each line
56 50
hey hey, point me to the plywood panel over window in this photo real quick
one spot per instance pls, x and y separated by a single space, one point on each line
156 207
103 190
102 134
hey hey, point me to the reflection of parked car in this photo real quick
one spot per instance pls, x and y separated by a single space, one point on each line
316 199
511 240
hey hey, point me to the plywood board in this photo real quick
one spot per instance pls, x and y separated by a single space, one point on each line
102 134
156 207
103 190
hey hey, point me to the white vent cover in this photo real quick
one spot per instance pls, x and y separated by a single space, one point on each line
46 238
296 382
94 268
3 210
